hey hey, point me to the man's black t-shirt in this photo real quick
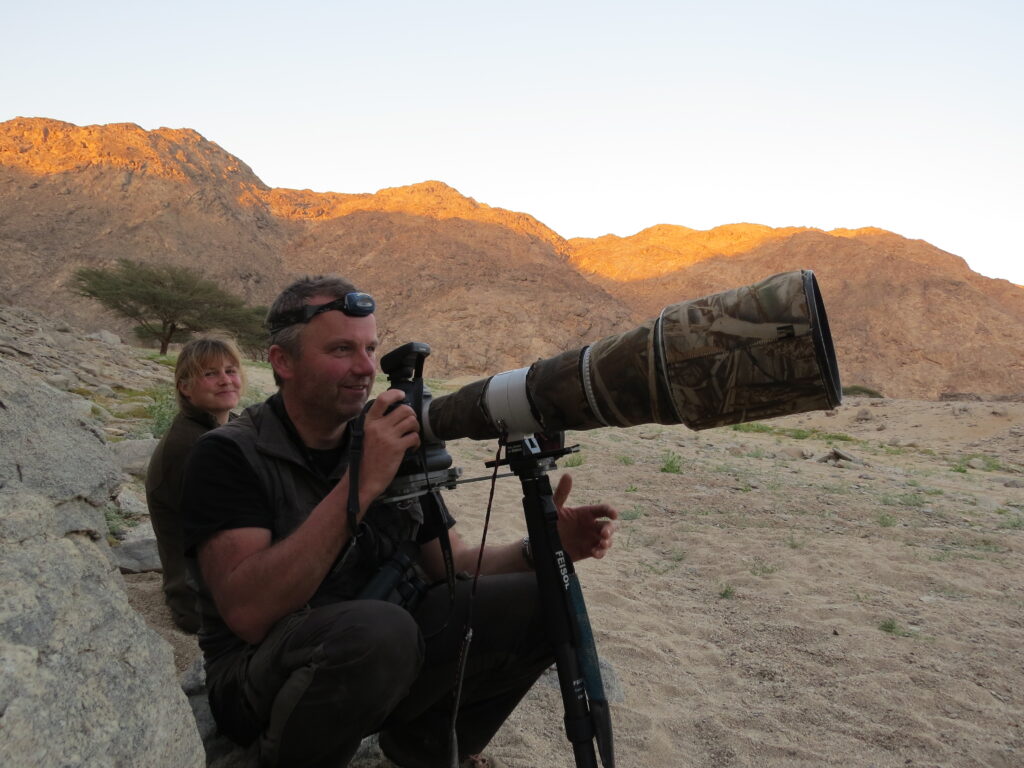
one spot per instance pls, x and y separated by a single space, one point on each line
222 491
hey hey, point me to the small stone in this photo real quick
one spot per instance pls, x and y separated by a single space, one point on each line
138 556
129 410
133 455
193 679
106 337
82 408
64 380
132 504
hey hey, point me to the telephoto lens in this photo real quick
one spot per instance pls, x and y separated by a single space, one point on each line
753 352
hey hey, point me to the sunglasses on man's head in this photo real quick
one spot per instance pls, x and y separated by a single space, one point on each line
353 304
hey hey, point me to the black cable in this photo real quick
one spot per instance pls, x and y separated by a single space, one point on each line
467 636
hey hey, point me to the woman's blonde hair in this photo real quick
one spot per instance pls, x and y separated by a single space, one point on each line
202 353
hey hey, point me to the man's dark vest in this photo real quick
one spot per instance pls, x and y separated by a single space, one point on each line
293 486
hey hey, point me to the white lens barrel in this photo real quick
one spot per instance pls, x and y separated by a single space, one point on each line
508 405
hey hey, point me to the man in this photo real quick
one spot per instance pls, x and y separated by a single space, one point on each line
281 553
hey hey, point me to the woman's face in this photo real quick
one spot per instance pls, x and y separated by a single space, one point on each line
216 389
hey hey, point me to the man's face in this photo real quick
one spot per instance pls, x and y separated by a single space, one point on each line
337 364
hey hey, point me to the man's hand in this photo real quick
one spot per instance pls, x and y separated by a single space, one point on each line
585 531
387 437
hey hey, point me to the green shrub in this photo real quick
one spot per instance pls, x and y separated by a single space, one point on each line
163 411
892 627
633 513
752 426
671 463
886 520
796 433
167 360
988 463
573 460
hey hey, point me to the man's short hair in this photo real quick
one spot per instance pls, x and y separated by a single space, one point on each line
296 296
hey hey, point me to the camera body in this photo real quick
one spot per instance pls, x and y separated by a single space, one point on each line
430 466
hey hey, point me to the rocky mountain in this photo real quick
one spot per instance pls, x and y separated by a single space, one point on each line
489 289
906 317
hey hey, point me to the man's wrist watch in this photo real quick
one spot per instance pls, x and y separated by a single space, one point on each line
527 552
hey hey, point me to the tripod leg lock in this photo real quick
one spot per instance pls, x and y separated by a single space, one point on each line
580 730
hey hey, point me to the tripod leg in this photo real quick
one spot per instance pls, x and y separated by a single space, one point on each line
587 650
569 629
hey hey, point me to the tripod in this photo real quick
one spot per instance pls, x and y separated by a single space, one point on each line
587 718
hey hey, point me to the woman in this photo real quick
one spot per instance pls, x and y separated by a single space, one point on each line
209 382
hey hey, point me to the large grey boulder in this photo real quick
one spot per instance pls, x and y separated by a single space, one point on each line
83 680
48 447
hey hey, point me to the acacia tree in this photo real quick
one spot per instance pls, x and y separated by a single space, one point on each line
167 302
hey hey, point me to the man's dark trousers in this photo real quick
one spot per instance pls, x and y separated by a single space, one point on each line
326 677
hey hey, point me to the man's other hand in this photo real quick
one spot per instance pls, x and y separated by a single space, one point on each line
585 531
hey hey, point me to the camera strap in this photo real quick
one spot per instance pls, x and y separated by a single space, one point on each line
356 529
435 502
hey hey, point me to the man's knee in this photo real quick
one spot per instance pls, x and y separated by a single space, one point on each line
378 645
358 660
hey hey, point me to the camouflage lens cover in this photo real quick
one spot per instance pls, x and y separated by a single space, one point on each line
754 352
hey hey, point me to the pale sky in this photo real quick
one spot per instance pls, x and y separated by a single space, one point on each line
594 117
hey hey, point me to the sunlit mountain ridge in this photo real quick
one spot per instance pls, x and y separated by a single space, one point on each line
488 288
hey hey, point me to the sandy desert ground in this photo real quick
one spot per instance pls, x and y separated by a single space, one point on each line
835 588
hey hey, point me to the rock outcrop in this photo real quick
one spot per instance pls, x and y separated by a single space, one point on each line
85 682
